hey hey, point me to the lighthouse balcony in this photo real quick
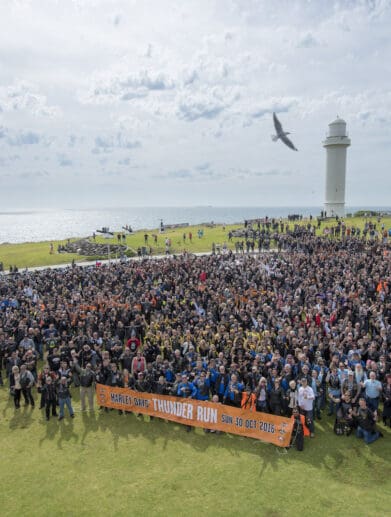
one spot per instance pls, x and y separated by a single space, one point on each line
337 140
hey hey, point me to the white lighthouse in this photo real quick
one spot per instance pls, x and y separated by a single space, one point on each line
336 144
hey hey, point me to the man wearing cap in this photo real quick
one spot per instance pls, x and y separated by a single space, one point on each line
186 389
142 384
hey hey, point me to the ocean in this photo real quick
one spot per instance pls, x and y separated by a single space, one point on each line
59 224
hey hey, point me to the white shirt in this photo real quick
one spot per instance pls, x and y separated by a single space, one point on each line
306 397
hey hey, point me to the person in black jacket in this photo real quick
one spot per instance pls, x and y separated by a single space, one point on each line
87 384
221 383
143 385
64 398
366 422
161 387
276 398
114 378
50 397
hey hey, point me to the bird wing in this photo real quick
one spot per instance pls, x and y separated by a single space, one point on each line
287 142
277 124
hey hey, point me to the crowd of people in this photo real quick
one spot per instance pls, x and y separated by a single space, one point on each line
306 327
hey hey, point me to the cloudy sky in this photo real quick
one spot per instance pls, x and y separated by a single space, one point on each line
169 103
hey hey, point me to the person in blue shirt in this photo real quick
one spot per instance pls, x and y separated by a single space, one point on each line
168 373
202 383
233 392
221 383
373 389
186 390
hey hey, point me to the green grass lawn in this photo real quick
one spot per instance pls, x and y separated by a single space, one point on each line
37 253
110 464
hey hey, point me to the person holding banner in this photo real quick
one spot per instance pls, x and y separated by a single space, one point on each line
233 392
261 396
187 390
202 384
221 383
161 387
248 399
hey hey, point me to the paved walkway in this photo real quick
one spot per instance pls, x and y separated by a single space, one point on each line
86 263
118 261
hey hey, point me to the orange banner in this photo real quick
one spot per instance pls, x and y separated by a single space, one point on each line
199 413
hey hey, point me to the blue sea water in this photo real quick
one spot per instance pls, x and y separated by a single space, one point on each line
46 225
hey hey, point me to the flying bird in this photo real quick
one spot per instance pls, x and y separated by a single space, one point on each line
281 134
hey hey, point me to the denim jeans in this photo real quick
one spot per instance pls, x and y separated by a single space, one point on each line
368 436
317 405
373 403
65 402
39 348
333 406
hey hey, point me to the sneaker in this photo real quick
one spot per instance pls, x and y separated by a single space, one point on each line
47 418
312 435
60 417
381 435
73 415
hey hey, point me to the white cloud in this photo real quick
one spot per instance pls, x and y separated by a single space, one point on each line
206 104
126 85
307 41
23 96
107 144
186 94
23 138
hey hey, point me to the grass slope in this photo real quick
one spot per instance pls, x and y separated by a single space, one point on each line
111 464
32 254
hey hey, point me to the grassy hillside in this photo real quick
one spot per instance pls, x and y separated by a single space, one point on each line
38 253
